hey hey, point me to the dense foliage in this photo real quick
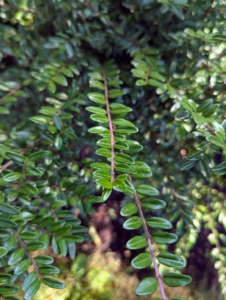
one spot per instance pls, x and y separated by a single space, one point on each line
111 95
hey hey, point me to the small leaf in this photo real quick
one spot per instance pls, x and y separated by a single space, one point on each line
100 166
101 118
4 278
153 203
103 152
4 110
43 259
60 79
8 209
188 165
72 250
171 260
22 266
3 251
97 97
118 108
159 223
128 209
115 93
147 286
125 130
137 242
53 283
16 157
141 261
105 194
16 256
104 183
161 237
73 238
7 289
132 223
34 246
50 270
215 140
174 280
51 87
12 176
123 158
62 246
187 105
38 155
58 142
32 289
96 110
147 190
6 223
58 122
220 169
28 280
39 119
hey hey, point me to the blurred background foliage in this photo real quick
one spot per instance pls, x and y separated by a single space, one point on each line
47 50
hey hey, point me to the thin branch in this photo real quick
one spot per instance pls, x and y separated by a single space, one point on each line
208 10
9 163
110 127
24 246
151 250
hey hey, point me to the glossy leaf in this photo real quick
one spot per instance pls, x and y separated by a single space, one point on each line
173 279
137 242
147 286
141 261
22 266
147 190
132 223
153 203
128 209
7 289
171 260
8 209
32 289
16 256
161 237
159 223
53 283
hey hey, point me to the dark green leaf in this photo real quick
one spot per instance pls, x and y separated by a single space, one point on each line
161 237
22 266
147 190
159 223
8 209
132 223
16 256
173 279
137 242
32 289
53 283
141 261
153 203
7 289
147 286
44 260
171 260
128 209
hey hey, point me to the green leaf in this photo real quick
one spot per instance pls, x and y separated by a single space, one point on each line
153 203
5 278
142 169
3 251
97 97
215 140
188 165
96 110
187 104
22 266
8 209
53 283
104 143
137 242
62 246
43 259
60 79
97 84
100 166
29 188
220 169
104 183
103 152
118 108
72 250
49 270
39 119
16 157
134 146
11 243
115 93
125 168
156 83
55 246
12 176
38 155
147 286
6 223
73 238
16 256
4 111
132 223
123 158
171 260
128 209
141 261
147 190
28 280
58 142
159 223
34 246
101 118
105 194
125 130
174 280
161 237
51 87
219 37
32 289
58 122
34 171
7 289
122 122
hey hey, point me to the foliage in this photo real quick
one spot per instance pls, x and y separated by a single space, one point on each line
151 73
